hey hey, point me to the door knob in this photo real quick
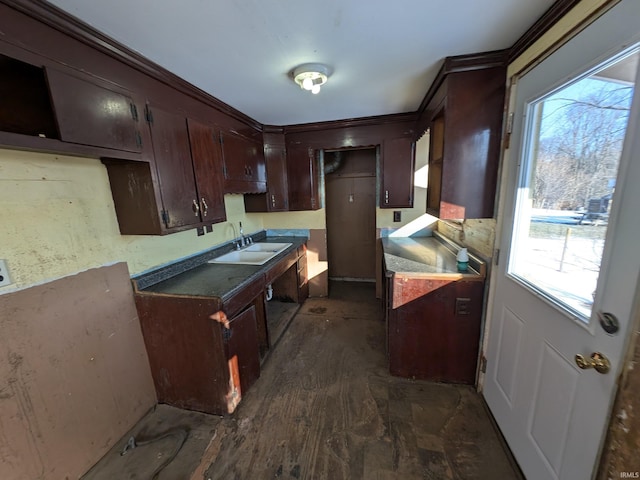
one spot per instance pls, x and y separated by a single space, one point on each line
597 361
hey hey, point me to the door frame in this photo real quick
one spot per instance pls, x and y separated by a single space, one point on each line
510 155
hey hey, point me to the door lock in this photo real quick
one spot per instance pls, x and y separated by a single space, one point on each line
597 361
608 322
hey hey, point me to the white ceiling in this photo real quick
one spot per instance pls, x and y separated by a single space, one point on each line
384 53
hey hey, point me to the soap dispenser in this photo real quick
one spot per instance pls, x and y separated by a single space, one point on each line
463 260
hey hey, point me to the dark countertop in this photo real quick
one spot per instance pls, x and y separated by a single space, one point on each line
220 280
427 256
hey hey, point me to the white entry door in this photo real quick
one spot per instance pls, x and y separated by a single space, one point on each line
570 256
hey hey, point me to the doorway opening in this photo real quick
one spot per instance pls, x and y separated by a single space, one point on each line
350 200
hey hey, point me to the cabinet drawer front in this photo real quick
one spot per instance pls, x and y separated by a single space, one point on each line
281 267
243 297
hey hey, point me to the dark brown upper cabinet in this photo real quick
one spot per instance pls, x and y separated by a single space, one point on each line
207 167
172 154
181 188
302 178
26 106
244 164
90 114
397 168
276 199
464 114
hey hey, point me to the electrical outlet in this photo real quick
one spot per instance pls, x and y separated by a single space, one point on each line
397 216
463 306
5 279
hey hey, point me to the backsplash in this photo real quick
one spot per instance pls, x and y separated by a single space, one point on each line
478 235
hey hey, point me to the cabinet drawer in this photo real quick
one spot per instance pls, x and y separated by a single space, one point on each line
281 267
243 297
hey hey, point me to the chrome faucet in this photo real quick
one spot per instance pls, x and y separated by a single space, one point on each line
236 240
242 240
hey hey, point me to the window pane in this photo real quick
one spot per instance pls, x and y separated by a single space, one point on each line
568 180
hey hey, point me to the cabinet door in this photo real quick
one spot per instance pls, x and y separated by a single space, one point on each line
26 103
436 155
277 192
89 114
436 336
242 348
302 178
207 166
172 155
244 166
397 173
276 199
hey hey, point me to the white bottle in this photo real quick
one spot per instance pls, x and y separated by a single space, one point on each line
463 260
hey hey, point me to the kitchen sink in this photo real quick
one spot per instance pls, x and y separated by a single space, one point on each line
255 254
267 247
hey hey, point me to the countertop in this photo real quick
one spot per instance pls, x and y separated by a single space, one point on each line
427 256
219 280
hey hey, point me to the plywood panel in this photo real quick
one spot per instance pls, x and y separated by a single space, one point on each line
75 375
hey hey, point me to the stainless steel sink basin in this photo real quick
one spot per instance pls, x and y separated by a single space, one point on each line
255 254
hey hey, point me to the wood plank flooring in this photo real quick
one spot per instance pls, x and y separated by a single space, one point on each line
326 408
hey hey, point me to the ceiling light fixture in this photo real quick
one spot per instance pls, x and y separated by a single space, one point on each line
311 76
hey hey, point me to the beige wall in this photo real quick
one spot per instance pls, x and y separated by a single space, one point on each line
58 219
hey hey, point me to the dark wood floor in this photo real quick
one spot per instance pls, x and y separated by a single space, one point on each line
326 408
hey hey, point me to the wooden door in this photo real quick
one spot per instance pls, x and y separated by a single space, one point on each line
547 318
351 217
172 154
207 166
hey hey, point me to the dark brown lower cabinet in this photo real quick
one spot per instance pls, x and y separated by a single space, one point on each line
433 333
208 364
196 362
240 341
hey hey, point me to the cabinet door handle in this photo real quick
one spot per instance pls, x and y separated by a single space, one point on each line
386 196
205 207
196 208
273 200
